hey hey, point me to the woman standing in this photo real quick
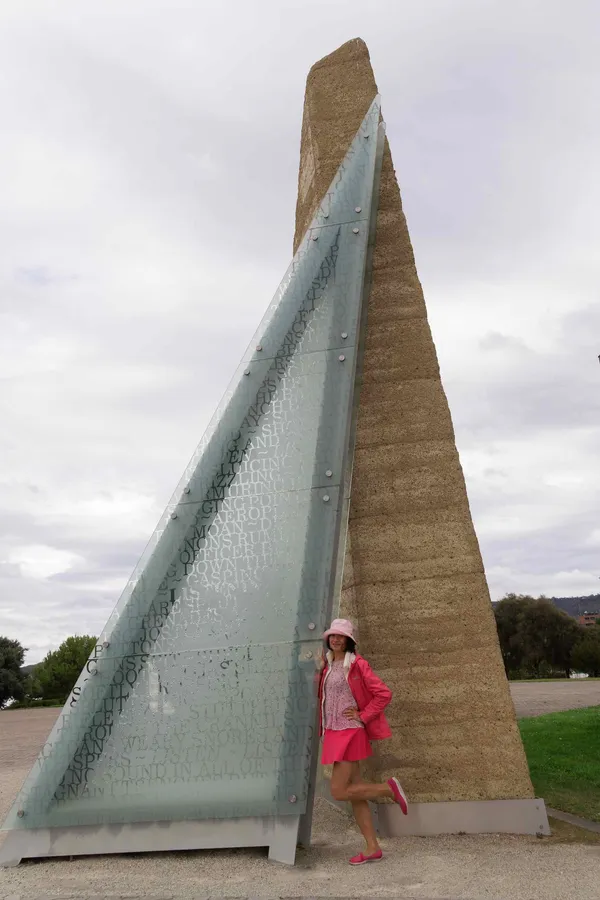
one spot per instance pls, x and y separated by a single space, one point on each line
352 700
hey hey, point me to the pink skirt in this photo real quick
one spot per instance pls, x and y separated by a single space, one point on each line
349 745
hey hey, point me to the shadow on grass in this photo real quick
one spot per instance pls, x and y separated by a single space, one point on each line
563 833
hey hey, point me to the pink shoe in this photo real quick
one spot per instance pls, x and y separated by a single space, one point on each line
399 795
361 858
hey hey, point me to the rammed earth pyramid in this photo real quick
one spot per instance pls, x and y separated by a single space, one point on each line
413 574
193 724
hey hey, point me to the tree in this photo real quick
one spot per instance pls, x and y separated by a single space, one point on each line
536 638
586 655
12 680
509 613
549 637
56 675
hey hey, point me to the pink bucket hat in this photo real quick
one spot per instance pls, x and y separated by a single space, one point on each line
340 626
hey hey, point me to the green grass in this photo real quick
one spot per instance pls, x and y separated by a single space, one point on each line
563 751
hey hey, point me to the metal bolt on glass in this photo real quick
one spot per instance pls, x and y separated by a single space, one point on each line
247 372
259 348
329 473
293 798
106 645
186 490
315 237
341 357
21 813
358 209
355 230
326 498
173 515
344 334
311 626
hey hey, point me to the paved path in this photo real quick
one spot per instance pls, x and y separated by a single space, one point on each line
448 867
22 735
534 698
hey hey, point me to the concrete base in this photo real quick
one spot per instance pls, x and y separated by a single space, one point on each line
451 817
278 833
464 817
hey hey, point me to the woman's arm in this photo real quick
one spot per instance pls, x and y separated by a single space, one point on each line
380 693
319 673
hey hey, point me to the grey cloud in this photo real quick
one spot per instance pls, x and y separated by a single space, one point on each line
496 341
148 171
536 560
533 391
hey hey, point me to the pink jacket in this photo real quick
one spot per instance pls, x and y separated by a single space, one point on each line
371 695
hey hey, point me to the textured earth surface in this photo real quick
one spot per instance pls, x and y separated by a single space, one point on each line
452 867
534 698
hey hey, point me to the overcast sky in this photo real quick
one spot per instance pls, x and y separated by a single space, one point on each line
148 172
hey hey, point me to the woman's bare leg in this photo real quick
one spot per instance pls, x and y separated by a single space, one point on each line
340 780
363 816
346 784
343 788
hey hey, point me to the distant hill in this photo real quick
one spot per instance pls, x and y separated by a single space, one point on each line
576 606
27 669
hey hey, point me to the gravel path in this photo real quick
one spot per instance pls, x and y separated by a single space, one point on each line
453 867
534 698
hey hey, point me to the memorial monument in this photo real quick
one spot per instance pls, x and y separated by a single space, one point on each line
331 457
413 575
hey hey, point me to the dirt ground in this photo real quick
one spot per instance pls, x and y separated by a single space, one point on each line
534 698
449 867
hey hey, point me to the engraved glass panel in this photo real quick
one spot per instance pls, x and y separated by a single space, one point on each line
215 733
199 699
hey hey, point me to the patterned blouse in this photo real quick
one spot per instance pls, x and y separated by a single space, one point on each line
338 697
